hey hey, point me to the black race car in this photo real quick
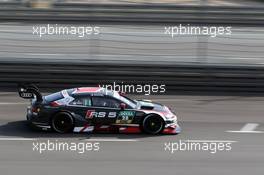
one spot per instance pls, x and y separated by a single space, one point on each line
96 109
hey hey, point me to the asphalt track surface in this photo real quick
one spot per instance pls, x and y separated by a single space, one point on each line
203 118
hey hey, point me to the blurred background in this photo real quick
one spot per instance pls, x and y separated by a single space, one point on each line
132 47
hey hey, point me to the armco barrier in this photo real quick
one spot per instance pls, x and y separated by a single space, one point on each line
177 78
135 13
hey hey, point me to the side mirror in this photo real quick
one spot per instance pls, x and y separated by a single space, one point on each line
123 106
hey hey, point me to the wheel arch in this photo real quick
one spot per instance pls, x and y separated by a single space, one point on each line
62 111
72 115
151 114
147 113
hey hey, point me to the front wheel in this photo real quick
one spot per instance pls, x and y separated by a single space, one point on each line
62 122
153 124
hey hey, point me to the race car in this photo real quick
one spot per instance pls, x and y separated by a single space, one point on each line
96 109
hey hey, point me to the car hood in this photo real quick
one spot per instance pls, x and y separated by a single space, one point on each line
149 105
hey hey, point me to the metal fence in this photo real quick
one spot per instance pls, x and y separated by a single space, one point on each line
177 78
135 13
132 53
133 43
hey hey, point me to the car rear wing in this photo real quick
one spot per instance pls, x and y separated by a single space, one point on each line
29 91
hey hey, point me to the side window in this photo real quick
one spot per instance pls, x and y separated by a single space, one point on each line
82 101
105 102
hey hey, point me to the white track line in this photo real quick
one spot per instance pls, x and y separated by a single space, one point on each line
248 128
253 132
169 100
7 93
12 103
213 141
16 139
111 140
93 140
45 54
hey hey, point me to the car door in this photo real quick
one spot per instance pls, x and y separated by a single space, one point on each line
106 109
81 106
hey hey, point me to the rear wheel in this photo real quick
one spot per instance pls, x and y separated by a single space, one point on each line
153 124
62 122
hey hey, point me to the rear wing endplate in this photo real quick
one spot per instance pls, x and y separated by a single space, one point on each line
29 91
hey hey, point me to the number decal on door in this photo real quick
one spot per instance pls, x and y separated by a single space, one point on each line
125 117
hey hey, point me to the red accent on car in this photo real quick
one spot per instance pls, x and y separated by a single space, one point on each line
123 106
88 89
34 109
121 93
54 104
85 126
99 128
130 129
89 114
169 130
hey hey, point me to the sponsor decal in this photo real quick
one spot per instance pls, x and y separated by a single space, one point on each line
26 95
85 128
125 117
90 114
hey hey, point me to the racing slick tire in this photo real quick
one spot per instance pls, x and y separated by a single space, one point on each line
153 124
62 122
